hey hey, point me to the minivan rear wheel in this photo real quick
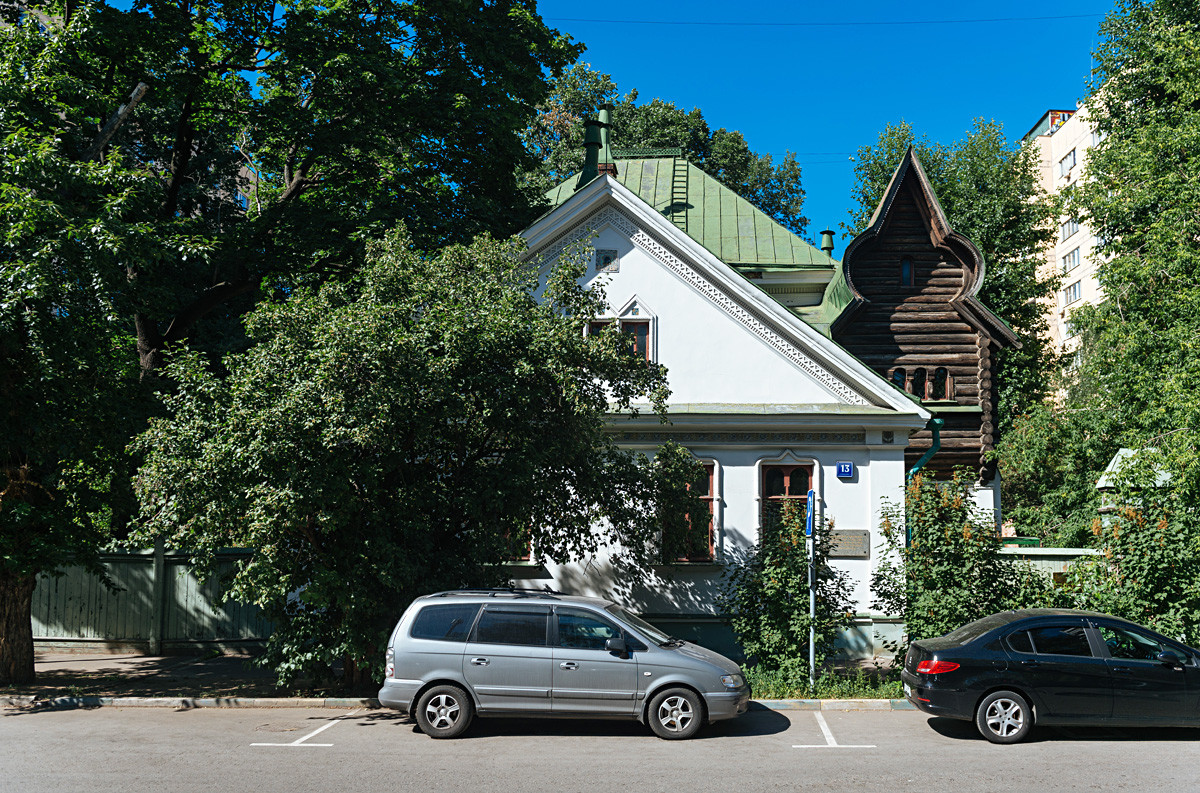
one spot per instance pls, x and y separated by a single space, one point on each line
1004 717
444 712
676 714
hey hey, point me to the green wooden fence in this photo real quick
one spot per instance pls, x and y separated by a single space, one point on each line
161 605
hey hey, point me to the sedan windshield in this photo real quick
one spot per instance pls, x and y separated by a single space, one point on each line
649 631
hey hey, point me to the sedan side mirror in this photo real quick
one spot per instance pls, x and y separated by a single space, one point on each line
1170 657
616 645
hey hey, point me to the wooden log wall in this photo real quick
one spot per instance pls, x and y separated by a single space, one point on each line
916 327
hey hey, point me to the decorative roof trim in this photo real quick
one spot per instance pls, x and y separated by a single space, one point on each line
965 303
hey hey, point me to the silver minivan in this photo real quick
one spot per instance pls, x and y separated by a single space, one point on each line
513 652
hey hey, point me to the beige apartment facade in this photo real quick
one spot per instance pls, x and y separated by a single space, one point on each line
1063 139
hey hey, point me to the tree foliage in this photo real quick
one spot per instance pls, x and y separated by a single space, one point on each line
405 432
989 190
283 135
555 137
941 567
168 164
766 596
68 380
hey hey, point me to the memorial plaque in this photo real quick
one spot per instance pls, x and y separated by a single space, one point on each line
850 544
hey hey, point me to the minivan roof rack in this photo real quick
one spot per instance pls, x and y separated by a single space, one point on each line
511 591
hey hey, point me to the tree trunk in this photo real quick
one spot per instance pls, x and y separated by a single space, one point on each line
16 629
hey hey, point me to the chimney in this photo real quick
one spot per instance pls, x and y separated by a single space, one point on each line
827 242
591 154
606 163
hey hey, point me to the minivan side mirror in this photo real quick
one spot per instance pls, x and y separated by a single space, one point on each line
616 645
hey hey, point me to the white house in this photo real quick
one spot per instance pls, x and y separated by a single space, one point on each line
709 286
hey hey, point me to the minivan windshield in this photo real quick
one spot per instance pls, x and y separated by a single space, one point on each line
652 633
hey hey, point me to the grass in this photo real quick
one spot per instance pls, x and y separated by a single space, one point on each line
862 684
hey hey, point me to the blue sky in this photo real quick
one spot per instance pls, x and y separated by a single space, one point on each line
823 90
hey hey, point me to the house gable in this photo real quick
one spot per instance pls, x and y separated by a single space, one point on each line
722 339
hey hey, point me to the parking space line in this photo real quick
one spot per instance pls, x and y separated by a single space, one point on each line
301 741
830 742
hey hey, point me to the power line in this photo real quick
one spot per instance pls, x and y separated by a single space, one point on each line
825 24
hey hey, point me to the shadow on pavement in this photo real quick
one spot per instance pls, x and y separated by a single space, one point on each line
756 722
965 731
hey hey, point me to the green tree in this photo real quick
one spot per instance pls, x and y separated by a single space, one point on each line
69 396
766 596
941 567
555 137
1141 198
989 190
405 432
169 164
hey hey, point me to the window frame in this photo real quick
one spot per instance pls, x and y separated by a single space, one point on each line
556 639
598 324
712 468
765 500
1077 289
1064 169
1067 229
1073 257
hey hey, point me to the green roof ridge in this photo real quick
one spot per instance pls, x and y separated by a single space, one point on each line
726 224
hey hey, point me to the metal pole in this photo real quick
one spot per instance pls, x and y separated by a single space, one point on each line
812 589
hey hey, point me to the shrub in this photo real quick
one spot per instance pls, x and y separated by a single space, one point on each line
766 596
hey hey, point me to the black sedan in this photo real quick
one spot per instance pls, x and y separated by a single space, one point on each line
1054 666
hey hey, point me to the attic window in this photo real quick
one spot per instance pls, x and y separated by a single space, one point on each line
906 272
900 378
943 384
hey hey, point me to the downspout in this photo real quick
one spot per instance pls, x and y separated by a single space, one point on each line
934 426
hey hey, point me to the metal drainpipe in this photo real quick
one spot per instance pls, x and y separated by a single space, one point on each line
934 426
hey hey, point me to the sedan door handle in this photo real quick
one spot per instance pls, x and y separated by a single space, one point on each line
1122 669
480 661
568 665
1031 663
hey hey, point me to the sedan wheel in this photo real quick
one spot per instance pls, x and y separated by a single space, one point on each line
1004 717
676 713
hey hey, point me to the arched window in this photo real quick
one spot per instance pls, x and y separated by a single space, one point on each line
919 384
943 385
906 272
900 378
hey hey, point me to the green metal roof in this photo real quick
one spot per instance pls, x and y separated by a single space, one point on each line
729 226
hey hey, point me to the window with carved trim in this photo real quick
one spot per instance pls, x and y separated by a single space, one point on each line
780 484
638 331
695 542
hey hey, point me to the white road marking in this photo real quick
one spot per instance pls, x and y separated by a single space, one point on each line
830 743
301 741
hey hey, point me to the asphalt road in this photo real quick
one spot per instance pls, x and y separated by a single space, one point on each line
143 749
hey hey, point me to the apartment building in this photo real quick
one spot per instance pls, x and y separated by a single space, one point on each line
1063 139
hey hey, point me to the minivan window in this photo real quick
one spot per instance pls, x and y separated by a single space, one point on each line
649 631
513 626
579 630
447 622
1060 640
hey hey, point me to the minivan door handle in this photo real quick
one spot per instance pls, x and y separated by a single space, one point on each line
480 661
568 665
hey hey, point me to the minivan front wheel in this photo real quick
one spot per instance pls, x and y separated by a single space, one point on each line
444 712
676 714
1004 717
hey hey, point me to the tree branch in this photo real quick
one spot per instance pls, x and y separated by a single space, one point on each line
115 122
208 300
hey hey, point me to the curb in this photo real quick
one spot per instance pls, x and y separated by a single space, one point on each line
188 703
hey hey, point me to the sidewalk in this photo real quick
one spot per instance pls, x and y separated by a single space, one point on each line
88 680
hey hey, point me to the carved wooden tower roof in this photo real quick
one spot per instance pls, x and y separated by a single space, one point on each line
912 315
